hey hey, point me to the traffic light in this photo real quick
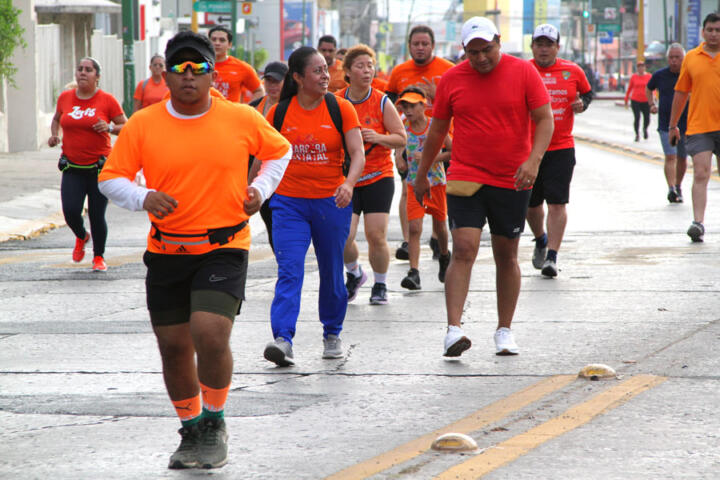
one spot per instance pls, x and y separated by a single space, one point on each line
586 14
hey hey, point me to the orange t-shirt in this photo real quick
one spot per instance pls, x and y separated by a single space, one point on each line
379 84
151 93
337 77
378 163
80 143
315 170
410 73
233 75
700 76
200 162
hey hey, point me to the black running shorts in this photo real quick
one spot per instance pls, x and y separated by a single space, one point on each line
375 197
504 210
553 181
177 285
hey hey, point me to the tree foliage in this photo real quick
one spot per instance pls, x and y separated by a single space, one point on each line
11 37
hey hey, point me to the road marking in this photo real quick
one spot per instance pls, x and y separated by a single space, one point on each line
513 448
475 421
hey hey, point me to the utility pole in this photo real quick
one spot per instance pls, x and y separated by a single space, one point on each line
128 56
641 32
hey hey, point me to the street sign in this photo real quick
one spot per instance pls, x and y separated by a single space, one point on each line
605 37
609 27
246 8
591 28
212 6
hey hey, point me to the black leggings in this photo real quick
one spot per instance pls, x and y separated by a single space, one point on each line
638 107
75 185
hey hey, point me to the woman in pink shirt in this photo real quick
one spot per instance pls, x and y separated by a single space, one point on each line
638 99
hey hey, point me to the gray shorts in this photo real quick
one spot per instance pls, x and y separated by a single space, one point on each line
703 142
668 149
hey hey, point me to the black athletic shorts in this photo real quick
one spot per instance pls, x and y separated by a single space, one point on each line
177 285
504 210
375 197
553 181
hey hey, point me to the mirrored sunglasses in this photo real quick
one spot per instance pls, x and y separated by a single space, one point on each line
197 68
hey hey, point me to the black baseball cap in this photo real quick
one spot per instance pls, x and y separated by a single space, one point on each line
275 70
188 40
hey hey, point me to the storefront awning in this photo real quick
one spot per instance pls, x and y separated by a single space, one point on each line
77 6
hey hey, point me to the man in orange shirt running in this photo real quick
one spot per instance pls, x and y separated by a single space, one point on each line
198 201
700 76
327 46
232 74
424 71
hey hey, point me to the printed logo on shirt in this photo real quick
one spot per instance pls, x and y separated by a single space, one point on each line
549 80
78 113
565 75
309 151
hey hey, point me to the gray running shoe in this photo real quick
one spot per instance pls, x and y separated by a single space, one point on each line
279 352
186 455
332 347
412 280
538 259
379 294
213 449
696 232
549 269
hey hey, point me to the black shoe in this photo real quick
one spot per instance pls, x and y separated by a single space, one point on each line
379 294
435 247
213 449
412 281
444 261
678 190
672 195
637 137
402 253
186 455
645 134
354 283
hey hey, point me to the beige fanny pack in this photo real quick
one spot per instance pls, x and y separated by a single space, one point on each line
462 188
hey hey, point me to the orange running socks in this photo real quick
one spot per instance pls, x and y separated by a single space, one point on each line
214 400
189 410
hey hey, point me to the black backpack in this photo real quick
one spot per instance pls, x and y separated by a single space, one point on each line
334 109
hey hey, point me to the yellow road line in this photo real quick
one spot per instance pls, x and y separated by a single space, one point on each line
475 421
576 416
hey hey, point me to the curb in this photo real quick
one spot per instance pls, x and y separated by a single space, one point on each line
622 148
33 228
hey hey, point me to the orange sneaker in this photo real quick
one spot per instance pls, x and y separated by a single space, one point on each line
99 264
79 250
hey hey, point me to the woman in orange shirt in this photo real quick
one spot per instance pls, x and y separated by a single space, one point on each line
639 100
153 89
382 130
87 116
313 201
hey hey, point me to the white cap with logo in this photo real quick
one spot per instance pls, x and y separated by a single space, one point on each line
478 27
546 30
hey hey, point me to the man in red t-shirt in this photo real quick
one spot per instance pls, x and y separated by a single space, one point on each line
233 75
570 94
493 98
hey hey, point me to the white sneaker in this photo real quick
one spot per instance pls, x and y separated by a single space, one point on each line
505 342
332 347
455 342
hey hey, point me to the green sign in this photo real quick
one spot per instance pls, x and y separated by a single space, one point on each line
608 27
212 6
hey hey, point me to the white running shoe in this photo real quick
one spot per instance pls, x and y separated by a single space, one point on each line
455 342
505 342
549 269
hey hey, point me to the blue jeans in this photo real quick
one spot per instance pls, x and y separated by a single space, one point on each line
297 221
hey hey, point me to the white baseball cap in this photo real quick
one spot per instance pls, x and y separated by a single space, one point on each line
478 27
546 30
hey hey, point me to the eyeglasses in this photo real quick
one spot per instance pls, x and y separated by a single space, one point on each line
197 68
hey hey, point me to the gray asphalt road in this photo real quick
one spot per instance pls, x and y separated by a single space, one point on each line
81 392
